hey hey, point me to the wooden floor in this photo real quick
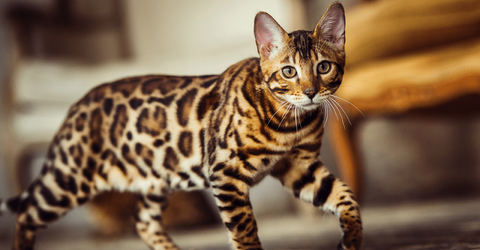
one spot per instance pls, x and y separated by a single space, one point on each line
431 225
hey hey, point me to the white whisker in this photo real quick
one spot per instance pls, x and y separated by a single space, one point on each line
332 108
282 105
335 109
276 97
295 117
348 103
300 114
326 114
341 108
285 114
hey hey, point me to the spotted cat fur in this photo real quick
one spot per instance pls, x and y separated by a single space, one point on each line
154 134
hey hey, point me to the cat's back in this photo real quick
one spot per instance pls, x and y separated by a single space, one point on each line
115 116
144 100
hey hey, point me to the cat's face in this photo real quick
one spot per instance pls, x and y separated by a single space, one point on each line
302 69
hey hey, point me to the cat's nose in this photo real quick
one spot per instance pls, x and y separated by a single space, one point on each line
310 93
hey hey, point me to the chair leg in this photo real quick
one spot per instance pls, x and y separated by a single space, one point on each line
346 150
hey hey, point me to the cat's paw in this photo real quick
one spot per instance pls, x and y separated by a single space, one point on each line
349 244
351 225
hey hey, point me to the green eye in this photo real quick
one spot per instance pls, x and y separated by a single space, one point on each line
289 72
323 67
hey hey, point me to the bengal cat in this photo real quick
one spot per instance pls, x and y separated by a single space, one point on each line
155 134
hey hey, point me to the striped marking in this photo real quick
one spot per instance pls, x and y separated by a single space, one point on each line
95 136
184 106
50 199
118 125
235 174
324 191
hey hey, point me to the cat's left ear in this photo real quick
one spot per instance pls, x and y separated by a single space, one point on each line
269 35
331 26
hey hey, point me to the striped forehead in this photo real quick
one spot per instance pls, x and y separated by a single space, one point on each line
301 47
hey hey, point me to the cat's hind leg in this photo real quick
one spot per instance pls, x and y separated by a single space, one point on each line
46 200
149 222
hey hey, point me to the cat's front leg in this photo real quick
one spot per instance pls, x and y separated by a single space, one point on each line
230 186
310 181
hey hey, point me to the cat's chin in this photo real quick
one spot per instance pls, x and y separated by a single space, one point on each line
311 106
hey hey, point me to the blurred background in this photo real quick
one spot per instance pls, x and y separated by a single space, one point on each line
413 69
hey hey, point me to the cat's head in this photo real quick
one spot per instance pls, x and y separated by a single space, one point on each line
302 68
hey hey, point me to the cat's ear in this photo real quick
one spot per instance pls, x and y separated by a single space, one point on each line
269 35
331 26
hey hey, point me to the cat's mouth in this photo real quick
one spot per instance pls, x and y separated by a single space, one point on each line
314 104
311 106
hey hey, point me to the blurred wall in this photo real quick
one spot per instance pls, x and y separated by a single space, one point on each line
4 67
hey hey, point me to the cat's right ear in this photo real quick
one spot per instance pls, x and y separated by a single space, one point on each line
269 35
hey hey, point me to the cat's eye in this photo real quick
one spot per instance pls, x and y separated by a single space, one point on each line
323 67
289 72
